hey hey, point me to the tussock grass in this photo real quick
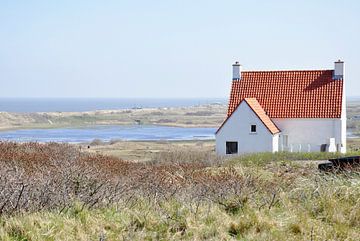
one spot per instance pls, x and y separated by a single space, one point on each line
177 196
267 157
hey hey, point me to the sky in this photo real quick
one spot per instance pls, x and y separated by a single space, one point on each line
168 48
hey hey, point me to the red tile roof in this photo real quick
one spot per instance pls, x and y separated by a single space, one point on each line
260 112
290 94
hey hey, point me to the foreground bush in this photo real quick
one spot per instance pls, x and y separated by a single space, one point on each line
56 191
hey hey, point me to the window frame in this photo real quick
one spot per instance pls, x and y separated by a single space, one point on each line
229 149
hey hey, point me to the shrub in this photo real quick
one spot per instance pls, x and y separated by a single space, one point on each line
56 191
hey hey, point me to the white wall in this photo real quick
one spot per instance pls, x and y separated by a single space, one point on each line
237 128
309 134
343 119
276 139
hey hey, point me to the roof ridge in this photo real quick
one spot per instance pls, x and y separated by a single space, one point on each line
273 71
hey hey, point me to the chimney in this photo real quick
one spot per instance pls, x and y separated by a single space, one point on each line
236 71
339 70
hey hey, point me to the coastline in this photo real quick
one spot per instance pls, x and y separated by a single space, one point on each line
209 115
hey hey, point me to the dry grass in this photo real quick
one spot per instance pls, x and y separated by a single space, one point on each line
196 116
147 150
57 192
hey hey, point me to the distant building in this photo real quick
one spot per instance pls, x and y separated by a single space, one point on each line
295 111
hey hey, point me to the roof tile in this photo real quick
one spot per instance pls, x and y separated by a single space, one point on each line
290 94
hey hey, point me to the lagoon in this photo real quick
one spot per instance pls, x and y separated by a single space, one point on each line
108 133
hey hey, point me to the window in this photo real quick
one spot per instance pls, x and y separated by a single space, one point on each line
323 147
231 147
253 129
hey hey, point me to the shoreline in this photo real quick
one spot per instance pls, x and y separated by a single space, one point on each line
209 115
95 125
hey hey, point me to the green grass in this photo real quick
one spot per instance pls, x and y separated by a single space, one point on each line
259 159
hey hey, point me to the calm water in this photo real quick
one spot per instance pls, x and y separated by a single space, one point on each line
107 133
80 104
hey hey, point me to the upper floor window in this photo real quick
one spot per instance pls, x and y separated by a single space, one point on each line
253 129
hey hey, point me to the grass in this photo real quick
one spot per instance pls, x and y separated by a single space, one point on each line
148 150
186 195
264 158
321 211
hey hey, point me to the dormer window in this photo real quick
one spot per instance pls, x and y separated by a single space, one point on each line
253 128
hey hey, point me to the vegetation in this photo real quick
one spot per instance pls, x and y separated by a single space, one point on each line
197 116
58 192
261 159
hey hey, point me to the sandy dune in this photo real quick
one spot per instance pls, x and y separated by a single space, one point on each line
196 116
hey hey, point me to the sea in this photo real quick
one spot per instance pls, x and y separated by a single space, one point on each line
26 105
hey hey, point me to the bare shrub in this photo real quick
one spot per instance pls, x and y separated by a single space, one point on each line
54 176
38 176
177 191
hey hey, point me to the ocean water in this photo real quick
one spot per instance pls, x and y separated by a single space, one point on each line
90 104
107 133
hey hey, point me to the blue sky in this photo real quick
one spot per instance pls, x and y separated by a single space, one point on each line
167 48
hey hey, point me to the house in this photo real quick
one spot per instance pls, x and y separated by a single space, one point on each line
295 111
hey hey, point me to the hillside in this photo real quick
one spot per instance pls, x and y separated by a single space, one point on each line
57 191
